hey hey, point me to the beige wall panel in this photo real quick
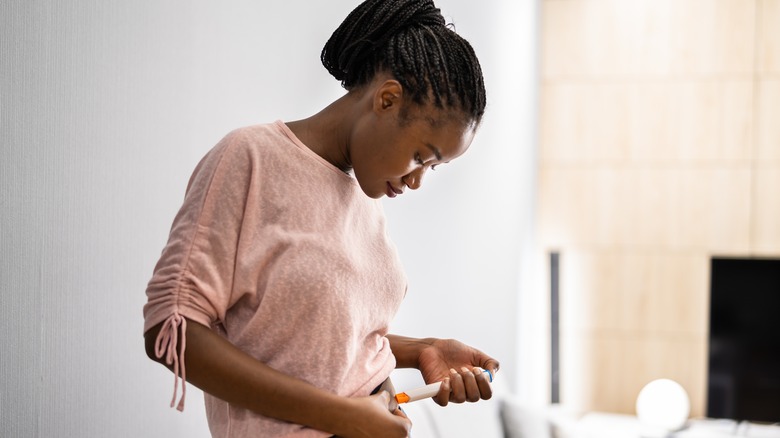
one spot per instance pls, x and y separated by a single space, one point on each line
590 290
665 293
606 371
659 292
766 219
714 210
647 37
769 36
653 158
583 207
670 209
584 122
606 207
563 196
649 123
691 122
567 41
591 370
768 141
555 207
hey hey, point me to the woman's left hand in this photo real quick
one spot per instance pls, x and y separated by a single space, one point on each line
459 368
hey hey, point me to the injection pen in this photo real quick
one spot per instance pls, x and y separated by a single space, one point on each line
426 391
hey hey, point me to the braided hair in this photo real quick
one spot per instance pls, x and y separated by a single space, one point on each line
411 40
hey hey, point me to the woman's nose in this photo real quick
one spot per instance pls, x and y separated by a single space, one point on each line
414 179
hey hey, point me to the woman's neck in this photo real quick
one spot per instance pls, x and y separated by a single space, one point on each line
327 133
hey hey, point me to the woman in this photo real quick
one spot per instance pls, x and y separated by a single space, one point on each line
278 271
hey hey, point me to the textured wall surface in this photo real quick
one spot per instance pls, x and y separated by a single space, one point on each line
106 107
659 149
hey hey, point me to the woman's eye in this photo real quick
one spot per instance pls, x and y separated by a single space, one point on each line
418 159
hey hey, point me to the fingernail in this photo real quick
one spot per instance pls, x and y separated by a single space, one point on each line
452 370
465 370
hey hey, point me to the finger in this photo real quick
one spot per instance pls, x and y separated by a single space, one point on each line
400 413
492 365
388 400
443 397
458 393
483 382
403 420
470 385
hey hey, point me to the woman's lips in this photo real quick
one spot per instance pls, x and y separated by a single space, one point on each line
392 192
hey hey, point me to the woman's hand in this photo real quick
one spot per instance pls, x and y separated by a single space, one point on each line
221 369
458 366
377 416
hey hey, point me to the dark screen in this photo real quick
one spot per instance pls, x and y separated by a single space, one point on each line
744 348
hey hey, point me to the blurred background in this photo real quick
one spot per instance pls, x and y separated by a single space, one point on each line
659 150
626 144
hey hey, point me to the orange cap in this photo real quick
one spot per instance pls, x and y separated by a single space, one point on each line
401 397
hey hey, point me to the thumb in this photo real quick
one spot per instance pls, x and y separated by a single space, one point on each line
491 365
389 400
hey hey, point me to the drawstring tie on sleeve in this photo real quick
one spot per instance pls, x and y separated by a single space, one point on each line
167 345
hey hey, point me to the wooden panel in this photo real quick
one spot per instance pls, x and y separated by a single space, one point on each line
647 37
572 203
599 206
769 36
656 208
606 371
665 122
590 290
584 123
653 158
586 362
768 141
691 121
766 219
659 292
714 210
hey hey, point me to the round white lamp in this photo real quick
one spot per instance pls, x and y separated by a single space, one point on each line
663 406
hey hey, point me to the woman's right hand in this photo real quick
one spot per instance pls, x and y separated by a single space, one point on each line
377 416
221 369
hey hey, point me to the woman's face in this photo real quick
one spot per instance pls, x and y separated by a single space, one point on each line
389 156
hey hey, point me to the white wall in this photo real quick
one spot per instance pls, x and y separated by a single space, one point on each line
105 108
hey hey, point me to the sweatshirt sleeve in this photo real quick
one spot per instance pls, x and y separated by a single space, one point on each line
193 278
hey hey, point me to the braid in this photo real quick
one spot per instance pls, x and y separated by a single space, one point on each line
411 40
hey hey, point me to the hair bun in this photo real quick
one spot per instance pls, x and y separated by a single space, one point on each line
368 28
410 40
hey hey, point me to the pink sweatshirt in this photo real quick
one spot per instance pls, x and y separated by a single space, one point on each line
283 254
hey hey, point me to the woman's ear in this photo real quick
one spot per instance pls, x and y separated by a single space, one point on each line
388 96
